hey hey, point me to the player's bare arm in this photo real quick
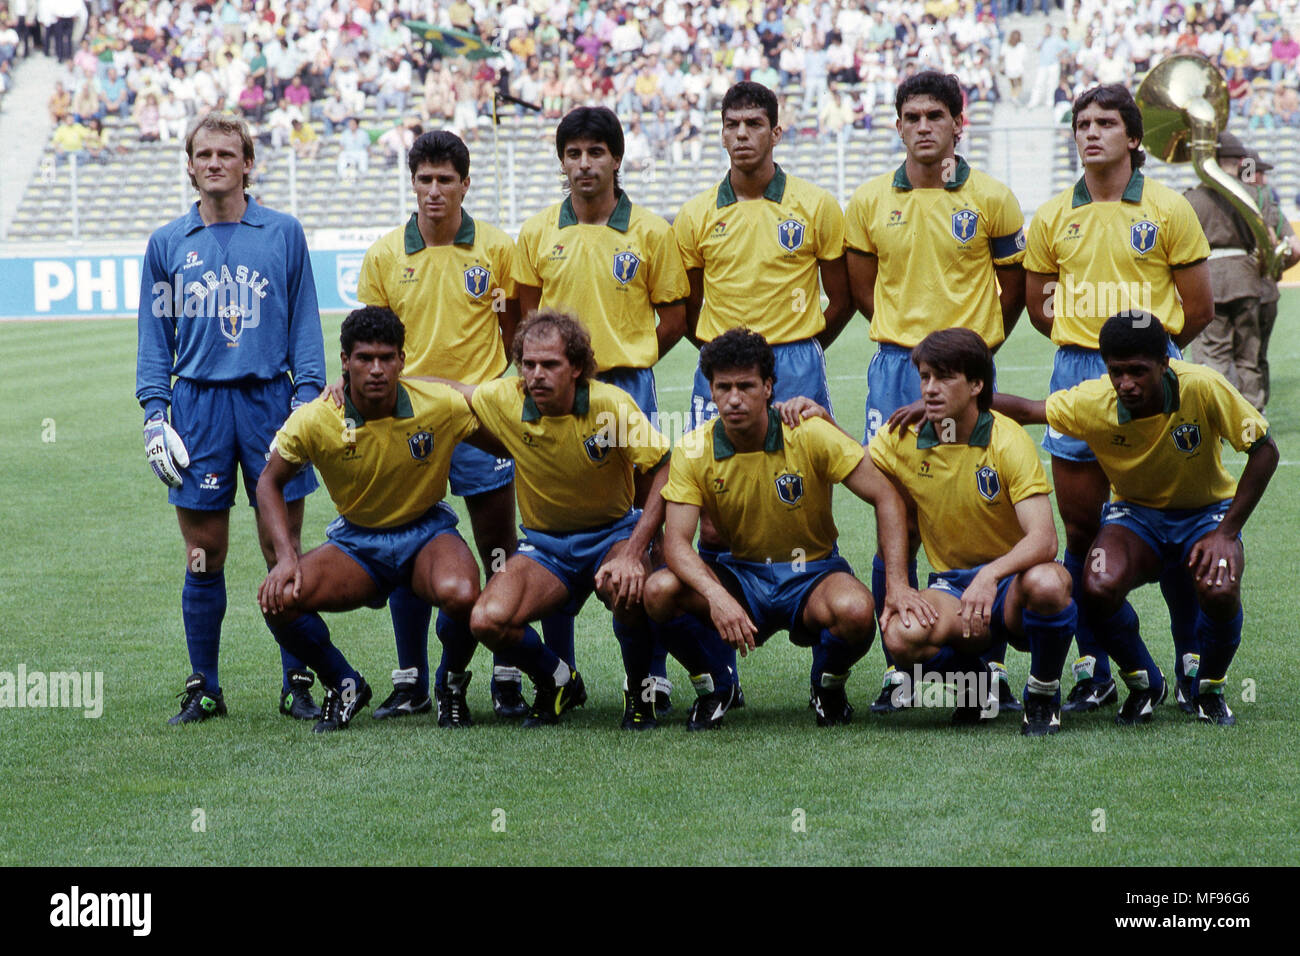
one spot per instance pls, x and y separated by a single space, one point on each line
729 618
624 571
1193 286
1217 557
508 320
530 298
672 325
286 575
694 302
1022 411
867 482
1038 300
1011 295
1037 546
839 306
862 268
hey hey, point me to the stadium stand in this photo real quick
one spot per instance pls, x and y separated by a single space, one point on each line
179 57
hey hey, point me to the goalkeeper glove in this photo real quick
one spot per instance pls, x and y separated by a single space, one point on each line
164 450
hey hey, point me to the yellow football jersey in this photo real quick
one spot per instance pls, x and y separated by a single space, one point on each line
572 472
1170 460
381 472
965 494
450 298
760 257
771 505
610 277
937 249
1111 256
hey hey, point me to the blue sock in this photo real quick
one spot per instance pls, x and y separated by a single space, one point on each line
945 659
533 657
410 614
308 638
1218 641
1124 642
557 631
203 606
831 655
458 645
658 656
1179 591
288 662
696 646
1049 641
997 653
1084 634
635 643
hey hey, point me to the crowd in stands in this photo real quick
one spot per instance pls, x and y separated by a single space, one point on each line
289 64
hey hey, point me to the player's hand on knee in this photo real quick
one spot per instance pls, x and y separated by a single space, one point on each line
795 410
623 579
1214 560
164 450
907 416
282 586
335 391
907 604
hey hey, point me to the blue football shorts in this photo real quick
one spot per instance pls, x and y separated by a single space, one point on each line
575 556
775 593
1169 532
956 581
388 555
228 427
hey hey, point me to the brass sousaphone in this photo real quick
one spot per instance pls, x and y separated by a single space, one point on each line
1184 104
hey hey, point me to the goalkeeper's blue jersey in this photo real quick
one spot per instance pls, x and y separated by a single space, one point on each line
237 310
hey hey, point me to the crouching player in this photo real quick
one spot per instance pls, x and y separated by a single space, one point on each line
1155 425
976 488
384 457
767 487
580 446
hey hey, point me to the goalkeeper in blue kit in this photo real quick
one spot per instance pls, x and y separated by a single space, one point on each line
227 309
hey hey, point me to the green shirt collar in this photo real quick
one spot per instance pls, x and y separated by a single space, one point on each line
619 219
958 180
415 242
581 403
1132 192
401 410
1170 382
773 441
980 436
775 190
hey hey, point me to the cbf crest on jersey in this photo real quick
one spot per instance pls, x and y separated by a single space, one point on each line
625 266
1142 235
789 488
1187 437
964 224
421 444
476 281
597 446
231 318
790 234
988 483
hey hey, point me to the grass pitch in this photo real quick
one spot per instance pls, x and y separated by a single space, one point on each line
91 569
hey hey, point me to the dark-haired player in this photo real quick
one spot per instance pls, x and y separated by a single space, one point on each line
767 487
1115 240
227 308
614 265
449 278
975 487
1157 426
933 244
384 457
